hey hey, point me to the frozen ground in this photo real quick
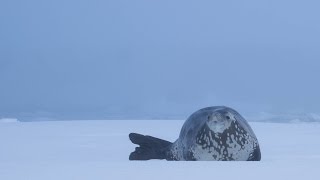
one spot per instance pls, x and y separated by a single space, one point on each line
94 150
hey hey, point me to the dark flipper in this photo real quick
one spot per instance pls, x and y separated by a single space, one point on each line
150 147
256 155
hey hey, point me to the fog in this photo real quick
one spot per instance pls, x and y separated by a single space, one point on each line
157 59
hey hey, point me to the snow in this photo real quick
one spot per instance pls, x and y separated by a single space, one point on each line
96 150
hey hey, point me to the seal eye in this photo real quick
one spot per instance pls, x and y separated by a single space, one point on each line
228 117
209 117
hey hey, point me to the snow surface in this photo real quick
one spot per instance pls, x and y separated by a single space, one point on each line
93 150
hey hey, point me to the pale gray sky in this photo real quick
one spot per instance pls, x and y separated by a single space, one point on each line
95 59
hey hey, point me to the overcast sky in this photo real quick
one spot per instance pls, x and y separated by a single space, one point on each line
157 58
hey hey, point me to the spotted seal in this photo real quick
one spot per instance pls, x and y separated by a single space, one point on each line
215 133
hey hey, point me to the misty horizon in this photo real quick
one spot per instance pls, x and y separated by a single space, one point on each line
157 59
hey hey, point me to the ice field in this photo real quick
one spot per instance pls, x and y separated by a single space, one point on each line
94 150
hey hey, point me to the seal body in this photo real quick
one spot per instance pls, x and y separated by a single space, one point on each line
215 133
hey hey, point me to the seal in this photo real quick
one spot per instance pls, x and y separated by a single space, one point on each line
215 133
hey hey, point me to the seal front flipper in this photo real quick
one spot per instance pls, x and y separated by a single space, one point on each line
150 147
255 155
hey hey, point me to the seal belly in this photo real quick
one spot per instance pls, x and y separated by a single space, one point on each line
233 144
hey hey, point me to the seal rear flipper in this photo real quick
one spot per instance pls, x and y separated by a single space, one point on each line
150 147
